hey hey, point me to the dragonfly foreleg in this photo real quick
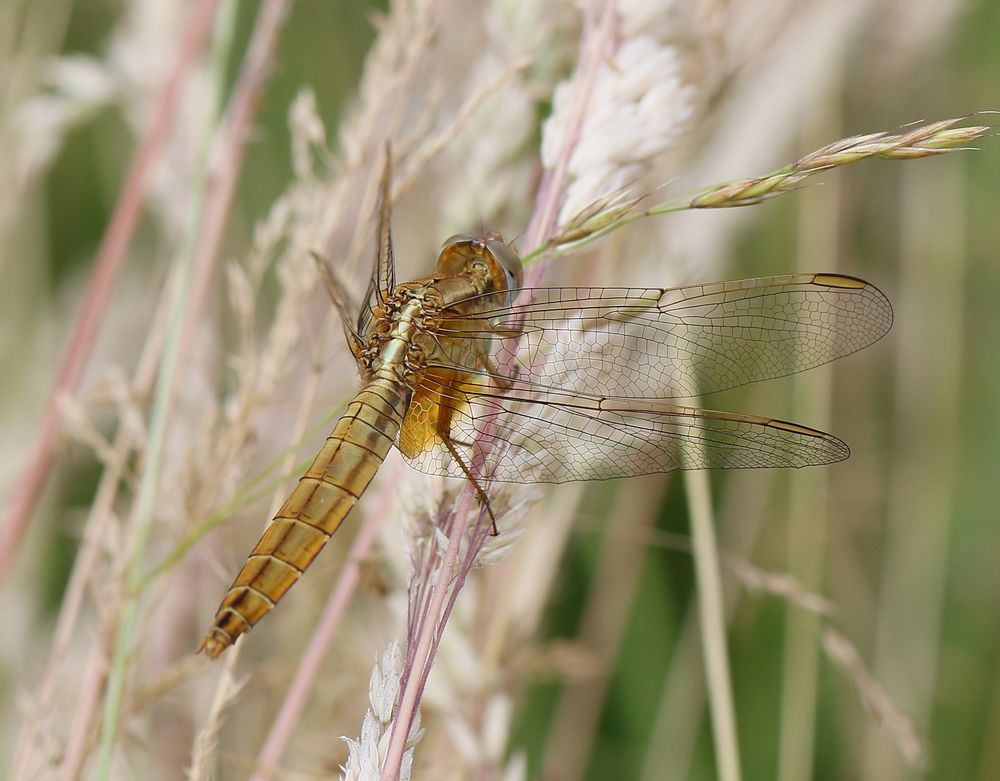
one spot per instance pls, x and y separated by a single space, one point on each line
342 302
483 498
487 364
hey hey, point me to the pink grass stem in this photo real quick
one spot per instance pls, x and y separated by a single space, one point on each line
550 190
432 619
110 258
423 657
229 153
80 735
308 669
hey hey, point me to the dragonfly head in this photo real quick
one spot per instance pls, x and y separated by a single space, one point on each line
489 254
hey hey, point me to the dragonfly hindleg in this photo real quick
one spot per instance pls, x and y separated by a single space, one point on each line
483 498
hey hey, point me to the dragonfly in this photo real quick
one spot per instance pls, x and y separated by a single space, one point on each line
472 376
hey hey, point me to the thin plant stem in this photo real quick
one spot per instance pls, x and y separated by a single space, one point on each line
713 625
69 611
108 265
205 742
80 740
618 210
229 152
596 37
423 653
928 376
818 248
162 402
682 702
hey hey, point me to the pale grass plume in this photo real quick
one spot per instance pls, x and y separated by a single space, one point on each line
367 753
207 739
634 95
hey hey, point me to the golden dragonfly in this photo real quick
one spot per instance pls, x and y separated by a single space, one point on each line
472 376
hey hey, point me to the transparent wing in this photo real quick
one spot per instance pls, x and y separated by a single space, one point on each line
524 434
383 279
666 343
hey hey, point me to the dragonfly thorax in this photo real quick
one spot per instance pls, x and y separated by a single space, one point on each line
396 344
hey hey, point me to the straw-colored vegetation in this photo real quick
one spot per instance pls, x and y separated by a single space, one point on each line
171 360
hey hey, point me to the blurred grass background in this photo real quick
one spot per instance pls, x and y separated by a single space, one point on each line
918 499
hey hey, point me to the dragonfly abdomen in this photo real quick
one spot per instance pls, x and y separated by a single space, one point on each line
317 506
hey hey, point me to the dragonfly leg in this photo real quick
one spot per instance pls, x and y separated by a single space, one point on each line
483 498
486 363
341 298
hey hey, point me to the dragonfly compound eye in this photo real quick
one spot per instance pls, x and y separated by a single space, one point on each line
458 238
509 261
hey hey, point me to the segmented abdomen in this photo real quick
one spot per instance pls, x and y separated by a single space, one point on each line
324 496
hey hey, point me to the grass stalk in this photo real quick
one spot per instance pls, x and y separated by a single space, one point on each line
618 210
818 248
425 642
922 478
743 507
143 511
713 625
229 151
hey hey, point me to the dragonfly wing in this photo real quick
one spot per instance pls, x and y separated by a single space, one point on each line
524 434
383 279
675 342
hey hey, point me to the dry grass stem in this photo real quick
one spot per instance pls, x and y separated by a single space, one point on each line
713 626
876 700
751 577
206 742
928 140
615 210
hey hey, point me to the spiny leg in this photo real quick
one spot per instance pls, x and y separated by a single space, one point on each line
486 363
341 298
483 498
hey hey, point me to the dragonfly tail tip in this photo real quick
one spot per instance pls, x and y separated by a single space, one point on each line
212 644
